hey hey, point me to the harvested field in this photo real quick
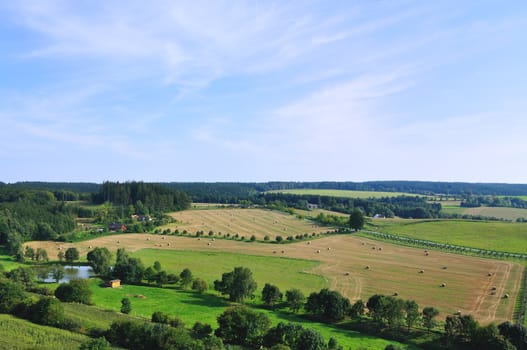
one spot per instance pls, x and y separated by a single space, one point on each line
244 222
467 280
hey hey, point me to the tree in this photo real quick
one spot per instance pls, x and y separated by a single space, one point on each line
357 309
515 333
199 285
429 313
157 266
60 255
238 284
41 255
77 290
23 275
161 278
47 311
376 304
29 253
201 330
150 274
310 340
271 295
295 299
11 294
58 272
240 325
96 344
160 317
71 255
356 220
328 304
128 269
412 313
126 306
185 277
100 260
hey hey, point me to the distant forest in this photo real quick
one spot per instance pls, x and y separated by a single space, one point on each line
237 190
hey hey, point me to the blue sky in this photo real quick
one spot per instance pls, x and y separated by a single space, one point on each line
263 90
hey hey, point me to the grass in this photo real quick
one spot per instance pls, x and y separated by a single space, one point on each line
283 272
345 193
491 235
16 334
191 307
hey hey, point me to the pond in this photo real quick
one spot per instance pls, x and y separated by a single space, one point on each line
72 272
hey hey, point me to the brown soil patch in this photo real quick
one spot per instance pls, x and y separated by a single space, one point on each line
345 258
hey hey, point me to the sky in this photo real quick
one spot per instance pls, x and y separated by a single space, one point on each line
352 90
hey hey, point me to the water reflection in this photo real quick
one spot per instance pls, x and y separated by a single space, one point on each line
72 272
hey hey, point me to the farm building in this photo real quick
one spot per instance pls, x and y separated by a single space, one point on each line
116 226
114 283
312 206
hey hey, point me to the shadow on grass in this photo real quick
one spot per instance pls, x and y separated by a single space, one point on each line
204 299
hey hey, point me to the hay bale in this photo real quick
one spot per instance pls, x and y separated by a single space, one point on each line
199 239
208 243
380 248
395 294
283 251
506 296
346 274
489 274
444 267
329 248
318 251
443 284
421 271
274 251
367 267
493 288
426 254
373 248
308 242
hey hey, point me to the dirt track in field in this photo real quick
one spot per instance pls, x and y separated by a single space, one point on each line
359 268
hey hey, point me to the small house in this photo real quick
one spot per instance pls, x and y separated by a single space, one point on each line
312 206
116 226
114 283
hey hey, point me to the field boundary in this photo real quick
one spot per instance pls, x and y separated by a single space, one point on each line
422 243
519 314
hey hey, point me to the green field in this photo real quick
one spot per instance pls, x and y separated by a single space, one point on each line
452 207
16 333
191 307
345 193
283 272
491 235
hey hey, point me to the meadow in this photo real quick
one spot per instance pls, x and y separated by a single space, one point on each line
345 193
452 207
190 307
242 222
490 235
355 266
16 334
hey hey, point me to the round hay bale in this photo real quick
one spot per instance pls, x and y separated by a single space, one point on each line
444 267
395 294
443 284
199 239
493 288
283 251
367 267
489 274
208 243
147 238
346 274
373 248
274 251
426 254
118 242
506 296
308 242
458 312
363 243
318 251
421 271
493 293
329 248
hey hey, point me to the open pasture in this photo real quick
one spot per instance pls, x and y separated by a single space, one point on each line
359 268
490 235
345 193
16 333
244 222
